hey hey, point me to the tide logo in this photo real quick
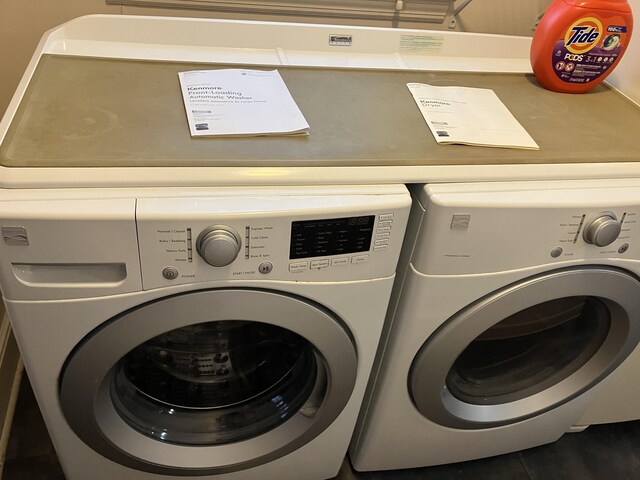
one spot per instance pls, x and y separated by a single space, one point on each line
583 35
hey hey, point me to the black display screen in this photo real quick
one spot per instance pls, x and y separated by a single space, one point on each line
334 236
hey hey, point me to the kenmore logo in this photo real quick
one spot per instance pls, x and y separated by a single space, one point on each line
341 40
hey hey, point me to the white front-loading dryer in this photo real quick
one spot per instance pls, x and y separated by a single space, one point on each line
516 303
218 334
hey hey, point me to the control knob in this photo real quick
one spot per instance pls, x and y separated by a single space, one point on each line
602 229
218 245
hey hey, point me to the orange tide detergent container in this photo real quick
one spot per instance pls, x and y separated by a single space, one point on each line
579 42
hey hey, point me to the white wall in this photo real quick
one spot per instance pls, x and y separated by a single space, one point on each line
22 23
507 17
626 76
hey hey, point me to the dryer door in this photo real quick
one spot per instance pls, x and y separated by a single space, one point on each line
209 382
527 348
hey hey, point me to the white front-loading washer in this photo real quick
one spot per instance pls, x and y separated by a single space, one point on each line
517 301
219 334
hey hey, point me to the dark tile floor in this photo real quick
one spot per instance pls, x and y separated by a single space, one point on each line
30 455
605 452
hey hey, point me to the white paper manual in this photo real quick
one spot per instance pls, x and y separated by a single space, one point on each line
471 116
237 102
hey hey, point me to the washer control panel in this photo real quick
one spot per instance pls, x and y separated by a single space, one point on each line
206 239
331 236
347 240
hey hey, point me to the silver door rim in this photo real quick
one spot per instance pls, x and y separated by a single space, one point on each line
87 406
617 289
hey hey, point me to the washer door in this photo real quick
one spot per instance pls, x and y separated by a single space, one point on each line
527 348
209 382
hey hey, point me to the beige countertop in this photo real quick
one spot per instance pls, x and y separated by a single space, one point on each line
92 112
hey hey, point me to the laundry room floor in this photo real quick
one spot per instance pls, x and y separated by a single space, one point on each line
602 452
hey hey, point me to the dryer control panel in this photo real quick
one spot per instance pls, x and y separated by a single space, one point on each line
280 237
469 229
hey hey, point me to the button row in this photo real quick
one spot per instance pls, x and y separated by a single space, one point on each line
295 267
383 231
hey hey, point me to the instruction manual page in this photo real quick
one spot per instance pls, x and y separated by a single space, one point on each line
470 116
238 102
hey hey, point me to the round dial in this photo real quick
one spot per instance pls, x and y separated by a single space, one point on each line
602 229
219 245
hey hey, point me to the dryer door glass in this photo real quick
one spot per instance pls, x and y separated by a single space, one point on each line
527 348
529 351
217 382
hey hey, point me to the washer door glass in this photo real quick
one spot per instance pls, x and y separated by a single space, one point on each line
527 348
216 382
209 382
